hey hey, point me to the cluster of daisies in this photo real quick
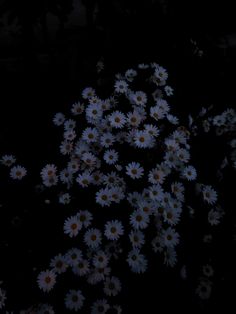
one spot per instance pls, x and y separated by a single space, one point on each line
130 152
132 155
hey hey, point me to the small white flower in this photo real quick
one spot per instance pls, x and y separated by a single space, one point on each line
112 286
59 119
136 238
113 230
121 86
107 140
72 226
142 139
134 170
90 135
190 173
103 197
8 160
77 108
100 307
111 156
58 263
88 92
18 172
137 261
93 238
85 217
170 237
46 280
117 119
74 300
139 219
209 194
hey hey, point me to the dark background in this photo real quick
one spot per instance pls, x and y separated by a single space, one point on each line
48 52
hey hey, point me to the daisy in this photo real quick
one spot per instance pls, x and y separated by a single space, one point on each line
121 86
103 197
69 125
18 172
178 189
74 300
73 165
46 280
134 118
66 176
130 74
72 226
157 244
107 140
85 217
84 179
58 264
77 109
8 160
209 194
171 216
100 307
157 94
117 119
137 238
156 176
73 256
113 230
100 260
170 237
69 135
66 147
134 198
163 105
112 286
89 159
214 217
169 90
110 156
134 170
117 194
183 155
157 113
88 92
94 111
151 129
59 119
156 192
172 119
142 139
170 257
93 238
137 261
90 135
97 177
139 219
190 173
139 98
81 268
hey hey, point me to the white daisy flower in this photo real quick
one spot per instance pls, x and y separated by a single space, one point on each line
170 257
134 170
156 192
170 237
112 286
93 238
103 197
66 147
88 92
73 256
81 268
72 226
171 216
208 270
172 119
8 160
111 156
157 113
66 176
69 125
169 90
183 155
94 111
85 217
69 135
139 219
74 300
142 139
151 129
98 177
58 264
117 119
77 108
84 179
90 135
190 173
121 86
139 98
89 159
156 176
214 217
137 261
100 260
107 139
134 118
113 230
46 280
100 307
130 75
137 238
18 172
209 194
59 119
